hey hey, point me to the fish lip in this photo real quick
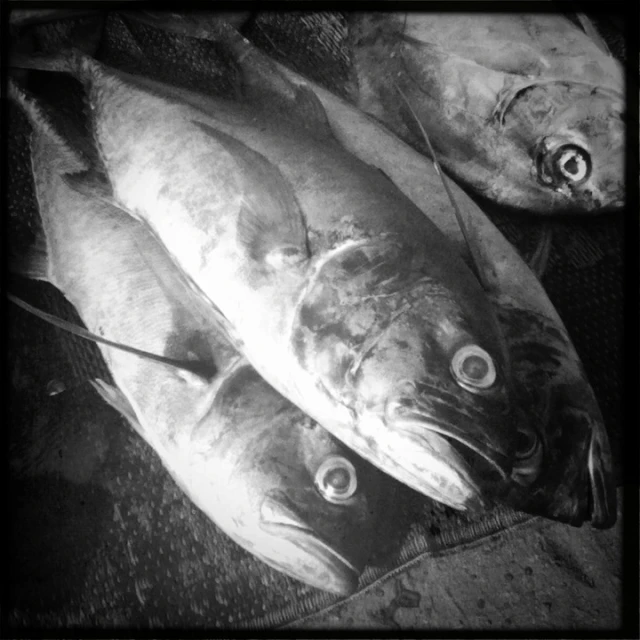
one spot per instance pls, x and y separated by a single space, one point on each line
279 519
498 460
472 501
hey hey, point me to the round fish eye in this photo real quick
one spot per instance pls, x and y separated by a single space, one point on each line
473 368
572 163
336 479
566 164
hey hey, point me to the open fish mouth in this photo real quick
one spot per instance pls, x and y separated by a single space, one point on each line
474 452
575 481
433 465
305 555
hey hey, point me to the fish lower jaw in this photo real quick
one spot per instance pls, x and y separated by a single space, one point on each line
494 464
428 463
300 553
305 557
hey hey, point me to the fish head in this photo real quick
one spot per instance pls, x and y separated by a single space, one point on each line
563 468
293 495
421 367
579 160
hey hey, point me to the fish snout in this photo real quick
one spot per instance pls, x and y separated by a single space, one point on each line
306 554
573 482
481 426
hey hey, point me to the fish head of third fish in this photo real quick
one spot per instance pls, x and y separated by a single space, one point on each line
416 356
292 494
563 467
579 158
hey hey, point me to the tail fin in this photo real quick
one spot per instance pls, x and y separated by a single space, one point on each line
70 159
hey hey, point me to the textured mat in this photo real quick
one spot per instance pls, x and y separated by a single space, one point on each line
103 538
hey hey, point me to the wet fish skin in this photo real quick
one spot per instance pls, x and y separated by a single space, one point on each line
570 468
230 223
564 466
241 452
517 105
567 472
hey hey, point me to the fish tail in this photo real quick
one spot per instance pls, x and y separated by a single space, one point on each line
71 60
40 122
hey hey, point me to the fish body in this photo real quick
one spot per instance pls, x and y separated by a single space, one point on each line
335 286
268 476
564 467
526 110
563 464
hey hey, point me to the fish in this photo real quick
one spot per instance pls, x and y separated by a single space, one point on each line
341 293
564 469
268 476
524 110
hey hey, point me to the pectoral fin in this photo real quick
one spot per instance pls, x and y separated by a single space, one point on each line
539 258
271 224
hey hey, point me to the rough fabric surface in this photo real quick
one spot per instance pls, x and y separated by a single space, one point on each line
102 537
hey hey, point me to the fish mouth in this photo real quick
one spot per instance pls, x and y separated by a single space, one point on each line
575 484
487 459
482 431
308 557
434 465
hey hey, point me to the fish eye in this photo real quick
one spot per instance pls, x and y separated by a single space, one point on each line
572 163
473 368
336 479
567 164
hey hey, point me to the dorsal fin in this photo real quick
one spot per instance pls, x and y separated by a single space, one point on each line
64 61
262 81
70 158
473 250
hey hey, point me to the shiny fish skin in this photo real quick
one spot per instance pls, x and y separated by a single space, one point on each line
263 220
507 99
568 475
241 452
573 479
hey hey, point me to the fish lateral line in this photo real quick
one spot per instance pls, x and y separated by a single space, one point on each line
461 223
201 369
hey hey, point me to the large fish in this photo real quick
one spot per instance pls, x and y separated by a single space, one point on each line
337 288
525 109
564 470
260 469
